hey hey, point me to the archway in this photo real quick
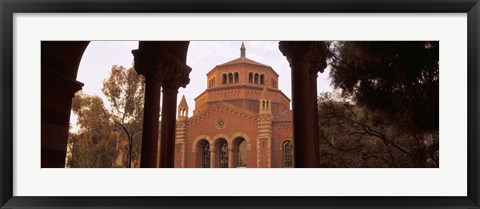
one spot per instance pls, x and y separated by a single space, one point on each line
287 153
59 64
59 68
221 150
239 153
203 154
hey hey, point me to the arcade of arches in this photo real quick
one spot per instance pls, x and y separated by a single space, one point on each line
257 130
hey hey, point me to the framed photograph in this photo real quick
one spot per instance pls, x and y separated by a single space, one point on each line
76 76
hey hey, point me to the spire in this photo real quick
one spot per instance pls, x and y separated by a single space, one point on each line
183 102
264 93
182 114
242 50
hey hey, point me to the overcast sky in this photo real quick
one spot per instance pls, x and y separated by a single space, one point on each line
202 57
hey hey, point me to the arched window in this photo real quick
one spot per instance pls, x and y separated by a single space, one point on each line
222 151
262 79
224 78
256 78
203 150
240 152
230 78
287 154
236 77
250 77
273 83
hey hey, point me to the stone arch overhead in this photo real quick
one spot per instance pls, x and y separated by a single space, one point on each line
201 137
243 135
284 140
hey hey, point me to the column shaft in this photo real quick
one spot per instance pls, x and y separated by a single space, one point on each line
150 123
314 124
306 154
230 158
167 138
212 158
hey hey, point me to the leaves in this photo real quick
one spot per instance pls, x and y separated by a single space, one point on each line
354 136
400 78
94 145
124 90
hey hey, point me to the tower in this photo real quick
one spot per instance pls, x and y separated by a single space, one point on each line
180 133
264 140
182 110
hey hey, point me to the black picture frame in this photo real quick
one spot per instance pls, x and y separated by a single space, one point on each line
10 7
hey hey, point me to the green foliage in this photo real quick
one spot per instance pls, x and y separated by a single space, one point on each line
398 78
90 111
89 152
354 136
124 89
94 145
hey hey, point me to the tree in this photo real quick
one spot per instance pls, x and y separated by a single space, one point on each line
354 136
125 90
95 145
92 146
397 78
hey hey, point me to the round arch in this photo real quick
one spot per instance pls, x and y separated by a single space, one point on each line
287 150
60 62
198 138
220 136
221 149
242 135
202 155
284 140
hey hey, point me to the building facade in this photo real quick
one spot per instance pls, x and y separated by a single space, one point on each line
242 119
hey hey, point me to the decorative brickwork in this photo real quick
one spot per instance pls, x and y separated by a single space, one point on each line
242 107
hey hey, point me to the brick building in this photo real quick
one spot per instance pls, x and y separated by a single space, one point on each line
242 119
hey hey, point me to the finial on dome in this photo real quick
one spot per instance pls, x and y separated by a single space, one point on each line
242 50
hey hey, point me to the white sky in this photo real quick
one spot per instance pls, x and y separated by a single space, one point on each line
202 57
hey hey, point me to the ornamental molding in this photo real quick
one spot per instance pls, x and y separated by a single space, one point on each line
222 107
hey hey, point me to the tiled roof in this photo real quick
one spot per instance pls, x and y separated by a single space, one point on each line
285 116
242 60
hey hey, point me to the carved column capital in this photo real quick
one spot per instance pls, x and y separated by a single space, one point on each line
162 66
146 64
311 53
176 76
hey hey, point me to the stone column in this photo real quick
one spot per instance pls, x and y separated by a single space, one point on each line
150 123
177 76
305 128
212 157
317 64
167 136
146 65
230 158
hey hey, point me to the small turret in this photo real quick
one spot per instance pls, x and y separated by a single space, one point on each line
265 103
182 109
